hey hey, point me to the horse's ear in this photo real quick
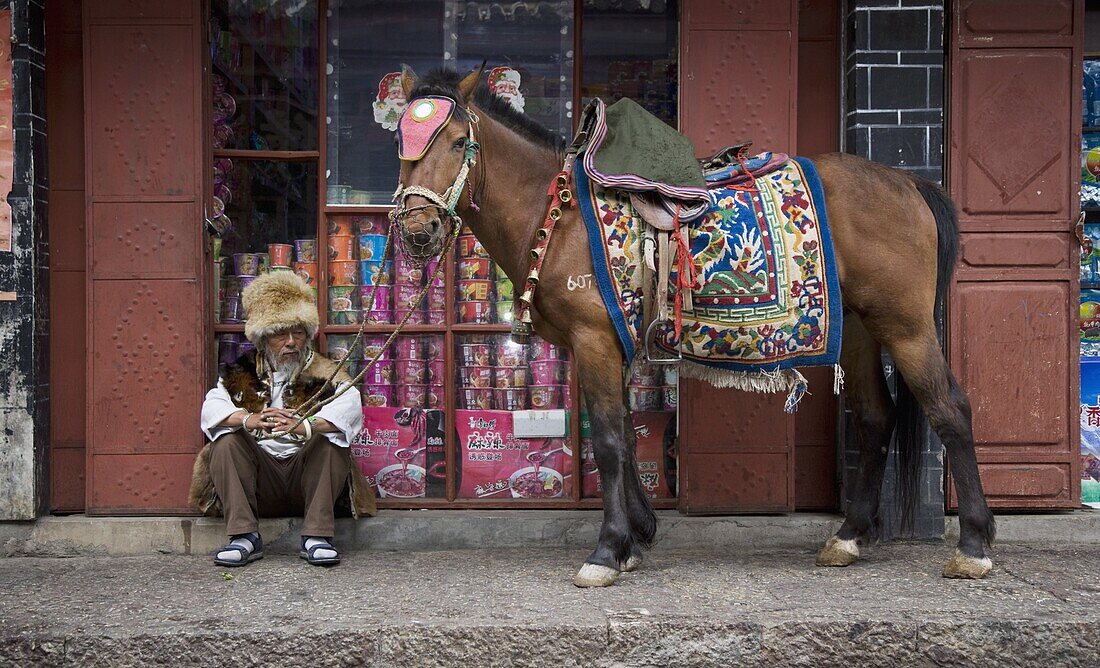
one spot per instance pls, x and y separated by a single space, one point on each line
467 86
408 80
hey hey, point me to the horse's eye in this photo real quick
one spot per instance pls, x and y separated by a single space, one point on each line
459 144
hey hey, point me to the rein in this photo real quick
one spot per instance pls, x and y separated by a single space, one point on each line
446 203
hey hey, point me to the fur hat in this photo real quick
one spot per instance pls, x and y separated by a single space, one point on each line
278 301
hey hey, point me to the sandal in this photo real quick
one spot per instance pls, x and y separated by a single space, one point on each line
310 554
249 547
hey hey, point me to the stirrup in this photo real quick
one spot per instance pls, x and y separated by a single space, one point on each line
650 337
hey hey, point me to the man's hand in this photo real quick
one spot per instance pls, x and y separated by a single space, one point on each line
276 419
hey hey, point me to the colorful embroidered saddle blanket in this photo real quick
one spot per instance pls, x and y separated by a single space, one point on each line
766 296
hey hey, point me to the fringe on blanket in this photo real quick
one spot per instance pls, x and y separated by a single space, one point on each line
786 380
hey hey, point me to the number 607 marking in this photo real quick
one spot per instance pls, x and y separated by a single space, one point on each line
579 281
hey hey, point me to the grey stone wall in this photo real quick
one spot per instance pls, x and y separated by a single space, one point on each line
894 92
24 273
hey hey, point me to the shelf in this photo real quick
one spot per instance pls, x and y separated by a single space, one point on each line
284 156
353 209
384 329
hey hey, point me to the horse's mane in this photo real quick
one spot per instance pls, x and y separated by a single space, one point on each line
444 81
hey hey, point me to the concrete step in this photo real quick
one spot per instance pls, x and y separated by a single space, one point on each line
79 535
492 607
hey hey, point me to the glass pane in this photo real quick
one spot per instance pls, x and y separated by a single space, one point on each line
496 377
530 43
269 213
631 51
483 293
364 286
264 56
652 394
401 448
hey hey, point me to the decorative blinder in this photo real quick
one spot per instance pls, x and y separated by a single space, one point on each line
421 123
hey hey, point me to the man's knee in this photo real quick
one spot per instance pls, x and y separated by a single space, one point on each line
229 446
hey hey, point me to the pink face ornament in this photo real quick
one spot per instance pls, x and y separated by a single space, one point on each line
420 124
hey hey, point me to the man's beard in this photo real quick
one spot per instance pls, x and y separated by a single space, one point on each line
286 364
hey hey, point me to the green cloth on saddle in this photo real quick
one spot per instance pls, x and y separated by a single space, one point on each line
639 143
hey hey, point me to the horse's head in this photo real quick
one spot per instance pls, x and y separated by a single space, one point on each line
436 145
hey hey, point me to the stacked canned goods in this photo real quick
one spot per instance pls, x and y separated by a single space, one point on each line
484 293
408 374
343 269
652 387
375 273
496 374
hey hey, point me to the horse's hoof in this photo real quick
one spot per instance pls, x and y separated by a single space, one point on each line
595 575
632 563
838 552
962 566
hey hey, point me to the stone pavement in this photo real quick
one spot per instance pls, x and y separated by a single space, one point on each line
516 607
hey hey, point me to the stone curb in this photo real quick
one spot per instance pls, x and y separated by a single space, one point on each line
80 535
626 639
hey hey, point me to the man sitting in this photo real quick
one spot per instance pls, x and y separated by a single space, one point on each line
252 466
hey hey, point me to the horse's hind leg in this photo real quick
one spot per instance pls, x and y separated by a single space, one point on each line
919 360
873 419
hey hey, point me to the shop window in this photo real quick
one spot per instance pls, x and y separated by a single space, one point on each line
303 170
529 46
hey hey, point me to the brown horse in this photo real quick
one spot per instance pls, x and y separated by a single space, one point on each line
895 237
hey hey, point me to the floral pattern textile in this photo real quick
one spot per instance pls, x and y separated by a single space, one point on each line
767 294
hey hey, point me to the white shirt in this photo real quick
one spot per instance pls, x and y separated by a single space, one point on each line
345 413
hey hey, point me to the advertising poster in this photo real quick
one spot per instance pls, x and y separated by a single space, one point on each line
1090 433
401 452
494 464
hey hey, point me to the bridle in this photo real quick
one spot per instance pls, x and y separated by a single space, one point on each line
445 202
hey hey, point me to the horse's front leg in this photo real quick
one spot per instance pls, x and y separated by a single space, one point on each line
627 515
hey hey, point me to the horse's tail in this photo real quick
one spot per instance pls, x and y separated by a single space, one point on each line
912 424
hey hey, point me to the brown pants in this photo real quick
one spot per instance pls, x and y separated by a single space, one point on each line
251 483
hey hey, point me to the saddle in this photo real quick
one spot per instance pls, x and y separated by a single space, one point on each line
626 148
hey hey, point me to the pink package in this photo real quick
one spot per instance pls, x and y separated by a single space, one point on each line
546 372
392 452
475 376
378 394
543 350
381 373
545 397
411 372
508 353
474 354
373 344
408 348
475 397
509 376
411 396
497 465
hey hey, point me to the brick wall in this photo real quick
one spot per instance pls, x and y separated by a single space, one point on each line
894 88
24 272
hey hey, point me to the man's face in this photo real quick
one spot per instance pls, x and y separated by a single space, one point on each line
286 345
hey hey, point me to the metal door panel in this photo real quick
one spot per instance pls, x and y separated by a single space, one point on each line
67 488
68 245
1001 23
1034 484
1014 331
65 107
139 484
749 482
147 393
142 90
734 89
139 240
68 395
1019 252
737 14
1017 160
133 10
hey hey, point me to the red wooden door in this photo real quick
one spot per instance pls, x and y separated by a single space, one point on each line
738 80
147 330
1014 123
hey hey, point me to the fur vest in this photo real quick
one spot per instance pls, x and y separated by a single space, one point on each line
247 391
